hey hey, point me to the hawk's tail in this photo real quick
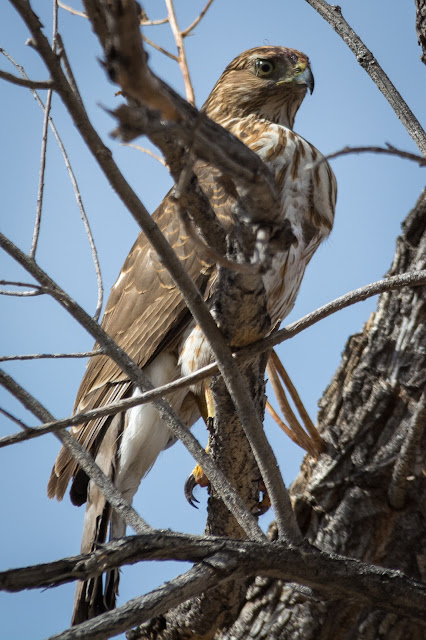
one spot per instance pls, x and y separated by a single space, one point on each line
98 594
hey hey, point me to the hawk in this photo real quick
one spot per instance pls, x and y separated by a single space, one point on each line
256 98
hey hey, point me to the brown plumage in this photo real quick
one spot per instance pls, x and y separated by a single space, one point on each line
256 98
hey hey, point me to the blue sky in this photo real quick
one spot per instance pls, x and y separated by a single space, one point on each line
375 194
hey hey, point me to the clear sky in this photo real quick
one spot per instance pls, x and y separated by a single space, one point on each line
375 194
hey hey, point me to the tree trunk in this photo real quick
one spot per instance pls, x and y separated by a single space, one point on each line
365 496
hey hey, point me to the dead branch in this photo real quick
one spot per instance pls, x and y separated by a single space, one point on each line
54 356
331 575
30 84
333 15
388 150
183 64
197 20
71 174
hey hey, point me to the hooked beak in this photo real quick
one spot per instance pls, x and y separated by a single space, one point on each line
305 78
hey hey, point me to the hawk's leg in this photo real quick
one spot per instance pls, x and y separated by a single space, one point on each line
197 476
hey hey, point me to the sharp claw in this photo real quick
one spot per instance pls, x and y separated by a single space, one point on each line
189 487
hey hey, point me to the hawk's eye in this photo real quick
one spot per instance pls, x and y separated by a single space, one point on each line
264 67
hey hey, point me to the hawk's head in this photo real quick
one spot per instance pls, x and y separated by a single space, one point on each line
269 82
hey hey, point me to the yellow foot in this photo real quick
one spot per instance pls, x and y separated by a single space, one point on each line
197 477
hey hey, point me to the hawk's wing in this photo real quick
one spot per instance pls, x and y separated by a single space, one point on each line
144 313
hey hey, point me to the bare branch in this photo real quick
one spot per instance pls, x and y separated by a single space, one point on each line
332 576
333 15
149 23
200 578
197 20
14 419
71 10
40 193
183 64
30 84
147 151
410 279
161 49
388 150
42 356
35 290
73 179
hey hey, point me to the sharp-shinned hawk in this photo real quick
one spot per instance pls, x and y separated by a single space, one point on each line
256 98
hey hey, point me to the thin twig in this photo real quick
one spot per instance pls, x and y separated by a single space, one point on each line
388 150
177 34
333 15
149 23
192 26
15 419
147 151
410 279
30 84
71 10
40 191
54 356
74 183
157 46
35 290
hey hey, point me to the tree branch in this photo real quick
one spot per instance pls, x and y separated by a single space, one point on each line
29 84
330 575
388 150
333 15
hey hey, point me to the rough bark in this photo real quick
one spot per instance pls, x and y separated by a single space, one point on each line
421 26
365 497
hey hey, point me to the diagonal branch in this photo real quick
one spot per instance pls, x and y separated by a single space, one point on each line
333 15
84 459
227 493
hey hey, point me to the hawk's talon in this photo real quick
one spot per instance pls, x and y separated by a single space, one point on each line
197 477
189 487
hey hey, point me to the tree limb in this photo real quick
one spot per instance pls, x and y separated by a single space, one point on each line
333 15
